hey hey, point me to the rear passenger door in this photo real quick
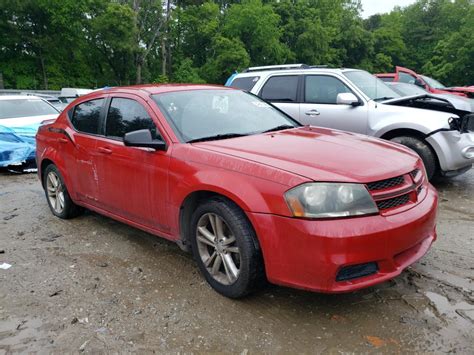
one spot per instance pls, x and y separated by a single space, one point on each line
133 181
283 92
320 108
80 154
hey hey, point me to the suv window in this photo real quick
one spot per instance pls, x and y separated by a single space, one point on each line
280 88
127 115
323 89
86 116
246 83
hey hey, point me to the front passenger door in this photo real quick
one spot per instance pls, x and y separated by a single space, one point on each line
133 181
320 106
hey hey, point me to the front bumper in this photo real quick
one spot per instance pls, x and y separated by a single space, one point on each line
309 254
452 149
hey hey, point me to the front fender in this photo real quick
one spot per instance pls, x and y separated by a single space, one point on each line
385 118
249 192
382 128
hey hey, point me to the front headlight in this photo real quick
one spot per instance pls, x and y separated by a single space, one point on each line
329 200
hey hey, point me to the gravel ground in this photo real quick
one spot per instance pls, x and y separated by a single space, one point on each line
94 285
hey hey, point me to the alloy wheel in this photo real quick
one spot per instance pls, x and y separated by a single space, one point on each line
55 191
218 248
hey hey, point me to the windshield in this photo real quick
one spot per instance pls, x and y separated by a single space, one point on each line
25 108
217 114
433 83
407 89
370 85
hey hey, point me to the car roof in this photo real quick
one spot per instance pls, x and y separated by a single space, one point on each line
19 97
153 89
265 72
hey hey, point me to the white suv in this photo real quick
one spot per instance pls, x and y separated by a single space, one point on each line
354 100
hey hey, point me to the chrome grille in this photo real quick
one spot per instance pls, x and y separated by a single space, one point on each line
393 202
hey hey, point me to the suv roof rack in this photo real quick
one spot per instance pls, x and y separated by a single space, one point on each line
277 67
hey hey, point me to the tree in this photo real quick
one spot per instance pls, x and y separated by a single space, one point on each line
227 56
257 27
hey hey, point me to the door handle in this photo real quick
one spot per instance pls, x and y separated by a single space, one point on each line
105 150
62 140
312 113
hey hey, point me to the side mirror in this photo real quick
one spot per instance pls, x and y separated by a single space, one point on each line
142 138
347 98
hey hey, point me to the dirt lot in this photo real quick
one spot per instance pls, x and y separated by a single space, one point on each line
95 285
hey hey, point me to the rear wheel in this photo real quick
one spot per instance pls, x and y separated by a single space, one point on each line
57 195
423 150
224 247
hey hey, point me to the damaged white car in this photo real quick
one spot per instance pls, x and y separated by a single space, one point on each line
354 100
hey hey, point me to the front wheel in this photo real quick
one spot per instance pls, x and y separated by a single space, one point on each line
224 247
57 195
423 150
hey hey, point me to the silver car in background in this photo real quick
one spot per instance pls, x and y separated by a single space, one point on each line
354 100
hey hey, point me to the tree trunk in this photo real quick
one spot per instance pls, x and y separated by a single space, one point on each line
163 55
139 72
43 70
164 41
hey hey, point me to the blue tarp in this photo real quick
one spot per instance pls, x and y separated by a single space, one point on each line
17 146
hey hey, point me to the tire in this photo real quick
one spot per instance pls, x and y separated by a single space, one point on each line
57 195
423 150
235 256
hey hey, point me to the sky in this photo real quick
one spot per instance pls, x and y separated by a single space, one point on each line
372 7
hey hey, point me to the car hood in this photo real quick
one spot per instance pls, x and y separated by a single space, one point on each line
458 103
321 154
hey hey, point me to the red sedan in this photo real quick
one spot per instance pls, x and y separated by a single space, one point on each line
408 76
253 194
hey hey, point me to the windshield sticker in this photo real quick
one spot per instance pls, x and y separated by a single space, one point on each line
220 103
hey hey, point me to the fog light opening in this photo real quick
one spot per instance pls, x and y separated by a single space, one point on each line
356 271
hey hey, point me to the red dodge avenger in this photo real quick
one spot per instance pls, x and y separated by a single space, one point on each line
253 194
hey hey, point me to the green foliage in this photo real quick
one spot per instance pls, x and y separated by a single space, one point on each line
257 27
227 56
186 73
161 79
92 43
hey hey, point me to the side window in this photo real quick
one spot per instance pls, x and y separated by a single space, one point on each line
405 78
323 89
280 88
127 115
86 116
245 83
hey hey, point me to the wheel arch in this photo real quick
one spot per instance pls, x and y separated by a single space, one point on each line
44 164
51 156
416 134
403 132
190 203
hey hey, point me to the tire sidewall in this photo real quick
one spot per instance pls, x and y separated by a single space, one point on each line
241 286
424 152
67 199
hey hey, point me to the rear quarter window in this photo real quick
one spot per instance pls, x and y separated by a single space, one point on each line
86 116
246 83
